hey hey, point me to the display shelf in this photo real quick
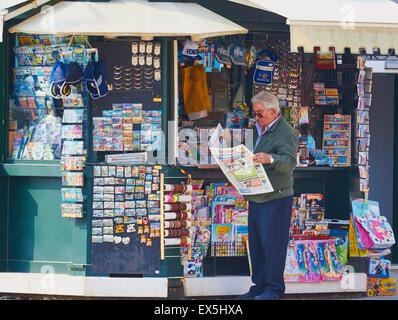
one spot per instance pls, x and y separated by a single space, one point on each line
237 285
80 286
33 169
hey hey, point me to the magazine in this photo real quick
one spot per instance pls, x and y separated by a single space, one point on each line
248 177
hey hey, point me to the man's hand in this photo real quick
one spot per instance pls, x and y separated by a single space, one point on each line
262 157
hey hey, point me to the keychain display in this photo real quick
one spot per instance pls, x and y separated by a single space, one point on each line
143 72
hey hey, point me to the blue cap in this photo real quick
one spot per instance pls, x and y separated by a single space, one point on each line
89 79
100 79
74 74
95 78
221 52
57 79
237 54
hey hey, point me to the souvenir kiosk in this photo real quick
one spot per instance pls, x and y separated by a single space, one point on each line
124 184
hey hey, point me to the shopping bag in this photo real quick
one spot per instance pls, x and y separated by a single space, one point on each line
363 235
373 230
375 233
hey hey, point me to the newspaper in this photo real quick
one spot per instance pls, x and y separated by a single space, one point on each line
248 177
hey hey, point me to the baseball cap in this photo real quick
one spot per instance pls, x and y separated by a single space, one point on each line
221 52
57 80
94 76
237 54
191 50
74 74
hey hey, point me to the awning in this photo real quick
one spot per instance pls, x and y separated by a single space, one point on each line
129 18
368 25
10 3
5 14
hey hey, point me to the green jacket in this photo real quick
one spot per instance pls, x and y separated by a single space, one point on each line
281 141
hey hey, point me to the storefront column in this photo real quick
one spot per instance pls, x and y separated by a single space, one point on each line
394 249
3 179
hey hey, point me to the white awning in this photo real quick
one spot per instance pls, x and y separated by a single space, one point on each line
5 14
129 18
371 24
4 4
10 3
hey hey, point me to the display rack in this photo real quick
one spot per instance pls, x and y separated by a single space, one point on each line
175 216
337 139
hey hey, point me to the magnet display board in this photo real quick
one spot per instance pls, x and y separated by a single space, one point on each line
125 224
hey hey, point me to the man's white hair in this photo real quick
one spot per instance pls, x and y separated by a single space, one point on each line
268 100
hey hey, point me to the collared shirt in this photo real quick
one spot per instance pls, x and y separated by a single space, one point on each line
260 130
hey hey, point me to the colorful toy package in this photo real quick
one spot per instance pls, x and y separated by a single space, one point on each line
308 261
377 267
292 272
339 232
331 267
381 286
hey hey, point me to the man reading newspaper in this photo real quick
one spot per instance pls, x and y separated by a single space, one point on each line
275 150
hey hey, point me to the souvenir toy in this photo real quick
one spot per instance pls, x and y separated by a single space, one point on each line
307 260
330 264
291 273
378 267
381 287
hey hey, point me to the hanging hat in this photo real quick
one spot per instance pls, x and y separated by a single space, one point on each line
88 75
221 52
237 53
100 79
74 74
95 79
57 79
191 50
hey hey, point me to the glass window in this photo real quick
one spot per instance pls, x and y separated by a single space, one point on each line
35 117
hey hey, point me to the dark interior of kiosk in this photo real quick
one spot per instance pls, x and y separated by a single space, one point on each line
229 84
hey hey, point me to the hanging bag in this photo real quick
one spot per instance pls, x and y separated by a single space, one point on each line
265 67
373 230
375 233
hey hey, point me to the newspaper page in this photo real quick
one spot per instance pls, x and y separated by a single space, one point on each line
248 177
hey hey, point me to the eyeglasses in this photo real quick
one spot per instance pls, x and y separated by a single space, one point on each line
257 114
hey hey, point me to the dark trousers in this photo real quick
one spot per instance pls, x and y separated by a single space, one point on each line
269 225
